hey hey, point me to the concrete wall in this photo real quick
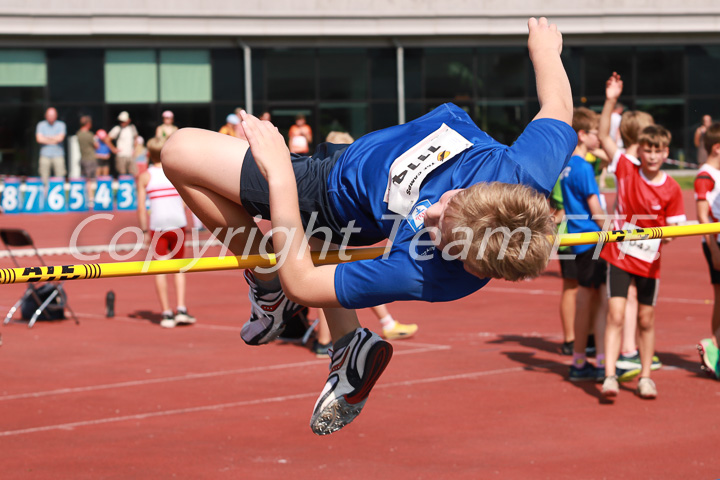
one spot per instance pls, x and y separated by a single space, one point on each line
352 18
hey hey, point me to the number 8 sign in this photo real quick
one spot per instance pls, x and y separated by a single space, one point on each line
11 196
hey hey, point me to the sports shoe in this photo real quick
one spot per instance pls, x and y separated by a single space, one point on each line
270 310
168 320
600 374
586 373
321 350
646 388
567 348
626 375
399 331
182 316
610 387
631 362
354 369
709 356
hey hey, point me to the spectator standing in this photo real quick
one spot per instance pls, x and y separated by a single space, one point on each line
167 128
699 139
140 155
102 153
50 134
266 117
231 122
124 136
88 145
300 136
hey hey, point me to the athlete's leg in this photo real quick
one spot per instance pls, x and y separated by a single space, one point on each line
161 288
205 168
646 337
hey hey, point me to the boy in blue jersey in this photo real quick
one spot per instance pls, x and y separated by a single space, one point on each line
585 214
447 195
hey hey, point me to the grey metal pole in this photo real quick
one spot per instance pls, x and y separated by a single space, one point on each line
400 52
247 58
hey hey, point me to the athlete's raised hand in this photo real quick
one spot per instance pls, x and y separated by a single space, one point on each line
543 36
267 145
613 87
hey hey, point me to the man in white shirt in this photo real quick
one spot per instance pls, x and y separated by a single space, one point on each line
124 136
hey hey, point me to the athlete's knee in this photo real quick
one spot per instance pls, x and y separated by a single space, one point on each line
171 156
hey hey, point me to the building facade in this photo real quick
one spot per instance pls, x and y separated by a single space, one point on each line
351 66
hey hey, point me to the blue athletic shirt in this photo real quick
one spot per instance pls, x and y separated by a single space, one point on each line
357 186
577 181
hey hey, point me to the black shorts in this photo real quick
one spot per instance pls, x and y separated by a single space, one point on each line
311 174
591 273
618 282
714 274
568 270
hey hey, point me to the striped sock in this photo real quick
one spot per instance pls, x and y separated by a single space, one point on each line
579 360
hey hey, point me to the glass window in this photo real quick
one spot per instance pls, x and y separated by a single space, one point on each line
75 75
18 149
502 120
228 75
339 117
502 72
703 69
188 116
131 76
290 74
413 73
668 112
343 74
449 73
660 71
185 76
22 68
383 73
14 95
384 115
601 62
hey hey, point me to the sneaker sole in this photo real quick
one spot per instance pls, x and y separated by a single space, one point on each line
610 393
629 375
398 337
583 379
184 319
344 409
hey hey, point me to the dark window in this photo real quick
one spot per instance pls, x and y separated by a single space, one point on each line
18 149
384 115
413 73
502 120
668 112
449 73
14 95
351 118
660 71
76 75
703 69
290 74
228 75
502 72
190 115
343 74
600 63
383 70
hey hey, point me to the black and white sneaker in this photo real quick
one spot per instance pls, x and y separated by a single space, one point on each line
354 369
270 311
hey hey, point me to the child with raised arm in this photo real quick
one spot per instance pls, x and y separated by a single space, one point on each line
445 193
707 196
646 197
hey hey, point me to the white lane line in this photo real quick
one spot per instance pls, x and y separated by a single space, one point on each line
261 401
193 376
554 293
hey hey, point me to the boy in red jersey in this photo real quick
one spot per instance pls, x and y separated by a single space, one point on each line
707 195
646 197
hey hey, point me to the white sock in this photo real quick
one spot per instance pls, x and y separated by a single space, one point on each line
167 312
181 309
387 322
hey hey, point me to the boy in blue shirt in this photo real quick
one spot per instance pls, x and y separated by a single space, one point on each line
447 195
585 214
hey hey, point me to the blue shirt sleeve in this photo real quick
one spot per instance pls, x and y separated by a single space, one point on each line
586 182
542 151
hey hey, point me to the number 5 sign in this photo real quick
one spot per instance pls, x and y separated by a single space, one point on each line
77 202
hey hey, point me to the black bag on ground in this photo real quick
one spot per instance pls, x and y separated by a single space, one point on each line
55 309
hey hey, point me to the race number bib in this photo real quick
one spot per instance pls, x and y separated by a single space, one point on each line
645 250
410 169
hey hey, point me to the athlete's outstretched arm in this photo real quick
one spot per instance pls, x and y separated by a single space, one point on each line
553 85
302 281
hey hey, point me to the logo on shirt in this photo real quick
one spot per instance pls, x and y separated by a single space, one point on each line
656 207
443 155
416 219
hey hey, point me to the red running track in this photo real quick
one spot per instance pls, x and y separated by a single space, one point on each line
481 392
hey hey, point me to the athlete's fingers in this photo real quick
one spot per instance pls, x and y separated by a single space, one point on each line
532 23
251 125
553 27
543 22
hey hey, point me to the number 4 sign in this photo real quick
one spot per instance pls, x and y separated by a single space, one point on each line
103 195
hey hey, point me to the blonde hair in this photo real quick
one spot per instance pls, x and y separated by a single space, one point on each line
655 136
584 119
631 124
154 147
339 138
482 221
